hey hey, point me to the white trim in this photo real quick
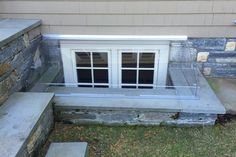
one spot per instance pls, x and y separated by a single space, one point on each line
115 37
68 65
163 65
160 48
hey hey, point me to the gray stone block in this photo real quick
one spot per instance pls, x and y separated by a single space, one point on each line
11 49
205 44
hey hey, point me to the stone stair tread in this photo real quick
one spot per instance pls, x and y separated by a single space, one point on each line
18 116
10 29
67 149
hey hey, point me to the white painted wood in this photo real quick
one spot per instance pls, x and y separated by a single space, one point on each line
163 65
68 65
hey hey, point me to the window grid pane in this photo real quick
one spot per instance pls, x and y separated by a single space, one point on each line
92 69
129 59
100 76
100 59
146 60
83 59
84 75
129 76
145 67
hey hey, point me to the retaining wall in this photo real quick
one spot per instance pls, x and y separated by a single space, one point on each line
131 117
21 63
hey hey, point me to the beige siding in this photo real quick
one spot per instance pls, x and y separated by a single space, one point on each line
195 18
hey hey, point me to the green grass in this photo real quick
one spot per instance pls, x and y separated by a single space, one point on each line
213 84
141 141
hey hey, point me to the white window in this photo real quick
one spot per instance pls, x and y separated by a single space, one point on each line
138 68
115 65
91 68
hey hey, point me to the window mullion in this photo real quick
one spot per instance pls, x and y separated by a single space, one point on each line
137 77
91 58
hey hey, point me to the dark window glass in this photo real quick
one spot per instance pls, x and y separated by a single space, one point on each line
84 85
129 76
100 76
129 60
144 87
83 59
84 75
128 86
101 86
145 77
146 60
100 59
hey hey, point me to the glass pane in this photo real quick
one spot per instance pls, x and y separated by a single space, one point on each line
145 77
100 86
129 60
84 75
100 59
83 59
84 85
129 76
146 60
144 87
100 76
128 86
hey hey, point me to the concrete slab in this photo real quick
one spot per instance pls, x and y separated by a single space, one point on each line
225 89
10 29
68 149
208 102
74 102
18 116
117 99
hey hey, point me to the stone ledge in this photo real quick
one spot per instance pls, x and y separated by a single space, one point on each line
11 29
207 102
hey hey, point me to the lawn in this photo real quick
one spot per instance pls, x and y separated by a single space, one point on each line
150 141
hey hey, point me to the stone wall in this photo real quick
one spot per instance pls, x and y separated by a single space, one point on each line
21 63
130 117
216 57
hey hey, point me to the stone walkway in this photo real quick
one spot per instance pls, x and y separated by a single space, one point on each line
225 89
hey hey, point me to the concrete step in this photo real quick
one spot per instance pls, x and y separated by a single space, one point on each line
68 149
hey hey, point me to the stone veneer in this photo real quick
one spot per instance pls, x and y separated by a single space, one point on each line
216 57
21 63
131 117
